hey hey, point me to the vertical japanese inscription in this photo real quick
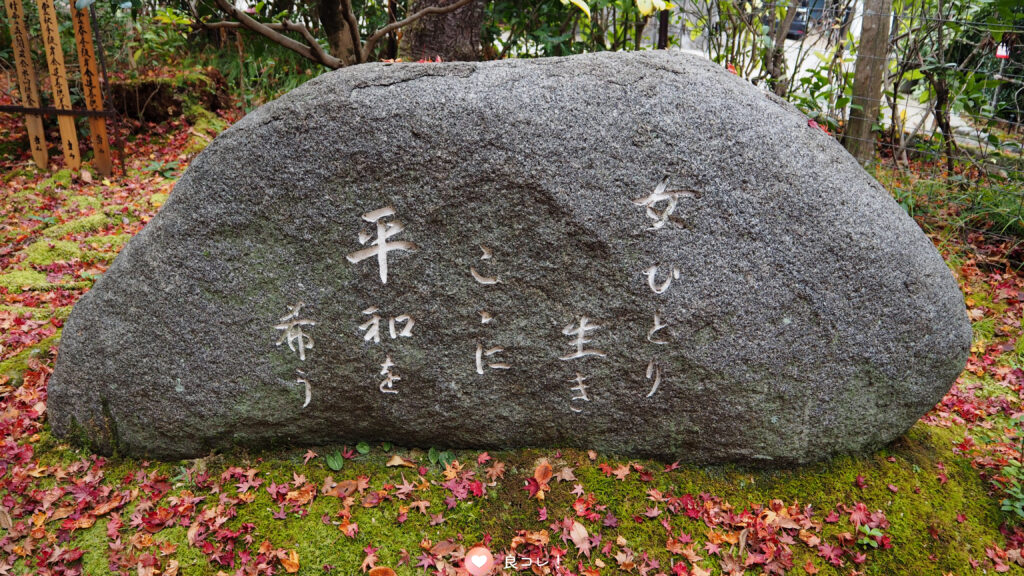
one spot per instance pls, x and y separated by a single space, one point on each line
291 326
398 326
580 329
27 80
486 356
659 206
59 80
91 89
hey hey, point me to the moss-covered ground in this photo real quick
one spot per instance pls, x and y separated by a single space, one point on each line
931 503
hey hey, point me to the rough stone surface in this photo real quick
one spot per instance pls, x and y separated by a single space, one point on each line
809 315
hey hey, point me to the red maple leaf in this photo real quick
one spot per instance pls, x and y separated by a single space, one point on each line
833 554
532 486
859 515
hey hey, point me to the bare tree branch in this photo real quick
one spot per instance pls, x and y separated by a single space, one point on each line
313 52
308 36
312 49
371 42
232 25
1006 79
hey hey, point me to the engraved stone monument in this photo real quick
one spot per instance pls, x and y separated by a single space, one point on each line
638 253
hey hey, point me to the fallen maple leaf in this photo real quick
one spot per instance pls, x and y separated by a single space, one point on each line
621 472
370 561
543 474
290 561
497 470
580 537
565 475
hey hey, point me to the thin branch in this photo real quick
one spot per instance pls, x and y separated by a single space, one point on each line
315 54
1010 80
371 42
308 36
233 25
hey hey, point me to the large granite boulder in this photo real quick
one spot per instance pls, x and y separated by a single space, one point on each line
638 253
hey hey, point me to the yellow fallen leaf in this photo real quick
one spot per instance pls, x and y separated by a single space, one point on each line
397 460
290 562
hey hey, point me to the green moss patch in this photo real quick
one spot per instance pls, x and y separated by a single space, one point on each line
60 180
19 280
205 127
46 252
82 225
37 313
941 517
83 202
111 241
158 199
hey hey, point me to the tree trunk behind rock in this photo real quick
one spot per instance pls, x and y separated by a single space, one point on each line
339 37
452 36
867 79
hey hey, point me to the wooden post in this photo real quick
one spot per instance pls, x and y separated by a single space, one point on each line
91 87
59 81
27 81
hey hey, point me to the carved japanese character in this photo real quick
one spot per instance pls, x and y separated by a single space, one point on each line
580 332
292 333
380 246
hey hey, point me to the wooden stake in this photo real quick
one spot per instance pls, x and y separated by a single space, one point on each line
91 86
59 82
27 81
